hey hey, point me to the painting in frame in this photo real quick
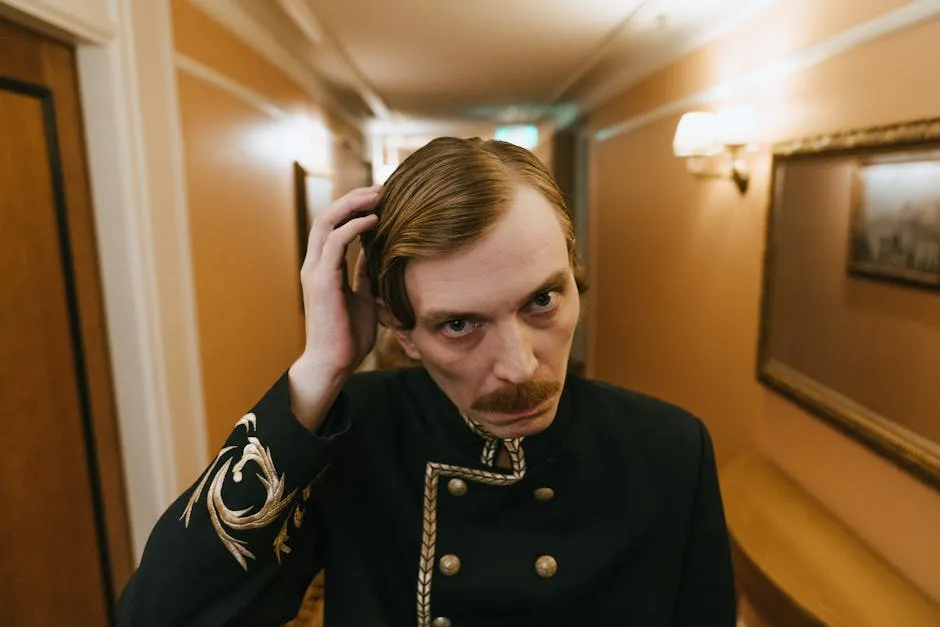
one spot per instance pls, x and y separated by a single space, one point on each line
895 223
891 198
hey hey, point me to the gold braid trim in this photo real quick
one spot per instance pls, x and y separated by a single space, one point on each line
491 443
488 456
434 471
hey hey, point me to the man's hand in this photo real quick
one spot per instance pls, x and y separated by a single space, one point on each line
340 317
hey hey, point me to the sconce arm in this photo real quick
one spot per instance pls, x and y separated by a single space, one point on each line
737 170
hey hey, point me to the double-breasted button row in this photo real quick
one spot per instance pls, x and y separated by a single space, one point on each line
545 566
458 487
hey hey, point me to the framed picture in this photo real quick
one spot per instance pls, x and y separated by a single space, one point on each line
312 193
895 226
858 204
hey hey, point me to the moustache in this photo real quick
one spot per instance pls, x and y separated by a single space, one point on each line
518 398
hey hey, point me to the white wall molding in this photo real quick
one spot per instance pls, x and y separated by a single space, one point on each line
127 281
247 95
89 21
229 85
131 109
164 145
907 16
233 18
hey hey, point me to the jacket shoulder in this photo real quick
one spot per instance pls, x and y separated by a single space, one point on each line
659 431
378 396
372 387
370 381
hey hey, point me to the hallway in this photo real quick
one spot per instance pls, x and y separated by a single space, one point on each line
795 316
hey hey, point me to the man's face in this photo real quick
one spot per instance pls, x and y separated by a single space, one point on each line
495 321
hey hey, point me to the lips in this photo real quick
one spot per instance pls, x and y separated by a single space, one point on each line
505 418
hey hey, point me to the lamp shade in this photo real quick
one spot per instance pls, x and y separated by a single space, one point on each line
737 125
696 135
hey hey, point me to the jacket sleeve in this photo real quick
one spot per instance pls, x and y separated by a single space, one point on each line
237 545
706 590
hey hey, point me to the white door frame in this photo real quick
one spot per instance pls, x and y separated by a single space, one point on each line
135 156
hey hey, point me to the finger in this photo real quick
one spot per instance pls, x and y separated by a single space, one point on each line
362 286
334 250
356 201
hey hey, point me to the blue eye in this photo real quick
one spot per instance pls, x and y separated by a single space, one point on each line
458 327
545 300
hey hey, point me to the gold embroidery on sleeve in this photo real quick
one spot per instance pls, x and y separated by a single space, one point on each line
198 491
280 542
226 520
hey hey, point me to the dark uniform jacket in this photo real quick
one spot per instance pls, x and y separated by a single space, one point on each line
611 516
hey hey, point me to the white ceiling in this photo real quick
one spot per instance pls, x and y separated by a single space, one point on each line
442 57
518 60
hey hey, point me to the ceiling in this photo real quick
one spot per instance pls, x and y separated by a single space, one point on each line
493 60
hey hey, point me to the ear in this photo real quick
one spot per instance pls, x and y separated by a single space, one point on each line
388 319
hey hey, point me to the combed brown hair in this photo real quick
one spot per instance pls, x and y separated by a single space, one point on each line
444 197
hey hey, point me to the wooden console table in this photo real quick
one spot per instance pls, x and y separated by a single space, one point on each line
797 565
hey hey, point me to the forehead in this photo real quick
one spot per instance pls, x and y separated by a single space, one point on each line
523 249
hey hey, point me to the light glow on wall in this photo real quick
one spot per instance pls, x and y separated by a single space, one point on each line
294 138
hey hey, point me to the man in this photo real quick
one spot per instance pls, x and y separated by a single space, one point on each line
487 487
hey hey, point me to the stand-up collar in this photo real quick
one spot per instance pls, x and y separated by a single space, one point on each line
444 422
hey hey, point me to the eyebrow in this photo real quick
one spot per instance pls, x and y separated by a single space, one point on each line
435 317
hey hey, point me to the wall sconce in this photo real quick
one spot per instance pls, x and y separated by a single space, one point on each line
701 136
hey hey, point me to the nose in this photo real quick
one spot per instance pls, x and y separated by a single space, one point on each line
515 360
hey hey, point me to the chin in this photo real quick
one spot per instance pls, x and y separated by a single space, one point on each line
506 427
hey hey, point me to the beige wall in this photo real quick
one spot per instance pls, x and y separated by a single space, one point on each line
677 262
239 169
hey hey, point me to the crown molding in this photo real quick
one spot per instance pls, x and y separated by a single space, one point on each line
234 19
316 33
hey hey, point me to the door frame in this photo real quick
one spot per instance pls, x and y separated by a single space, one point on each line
125 61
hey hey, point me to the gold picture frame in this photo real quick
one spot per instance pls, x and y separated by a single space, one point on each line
910 142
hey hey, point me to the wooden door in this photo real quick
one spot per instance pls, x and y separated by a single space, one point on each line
64 541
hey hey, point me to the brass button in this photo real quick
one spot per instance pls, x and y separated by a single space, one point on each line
457 487
441 621
450 565
544 494
546 566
